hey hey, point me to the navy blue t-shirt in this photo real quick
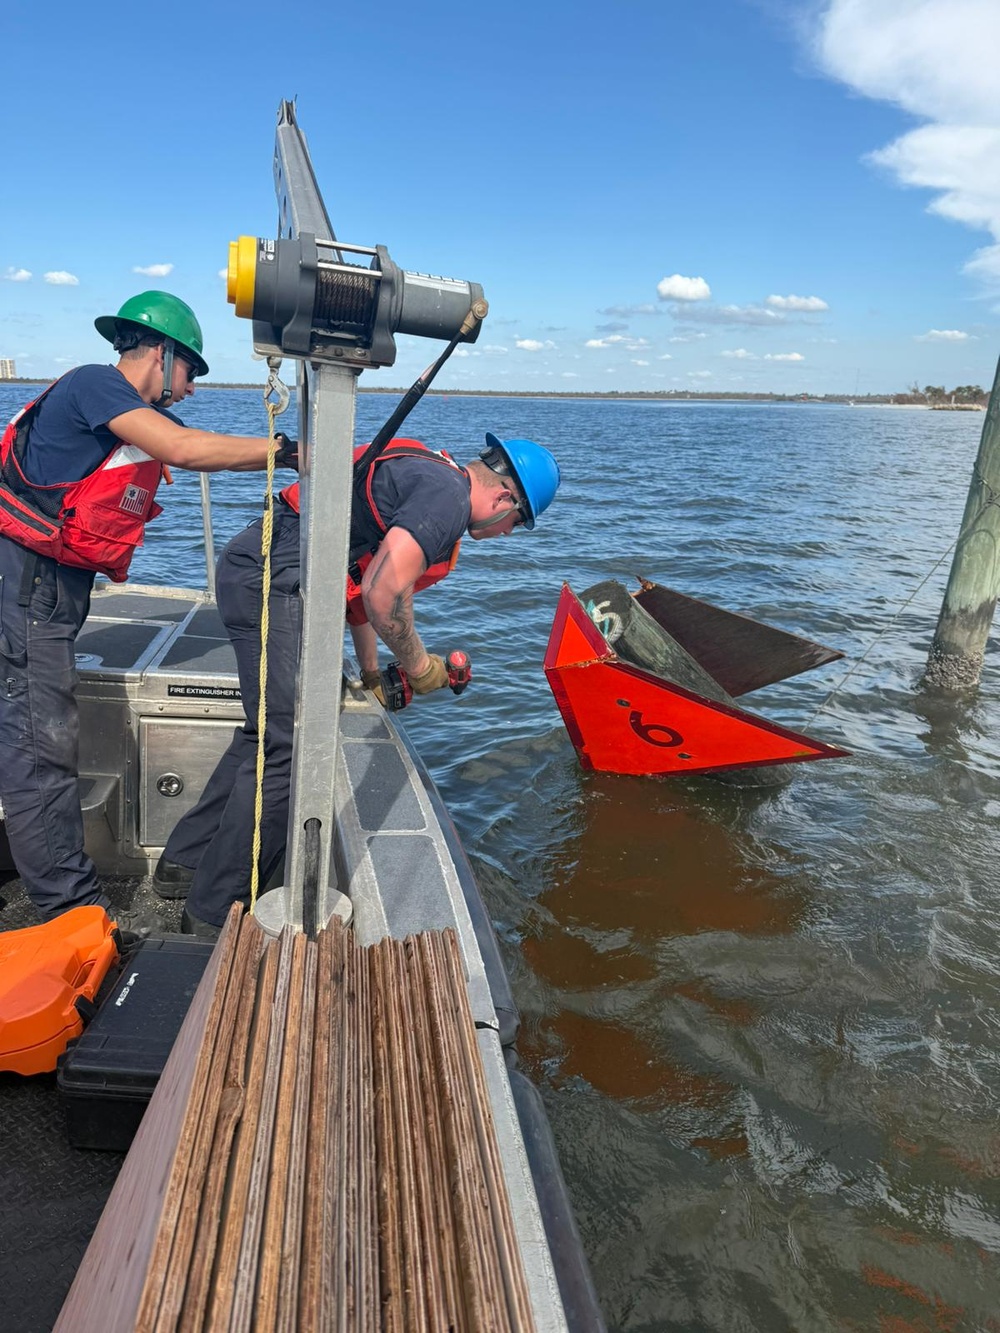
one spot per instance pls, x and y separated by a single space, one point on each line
430 500
69 436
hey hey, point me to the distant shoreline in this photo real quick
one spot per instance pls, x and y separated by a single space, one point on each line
665 396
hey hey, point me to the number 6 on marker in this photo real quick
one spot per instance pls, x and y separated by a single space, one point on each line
644 730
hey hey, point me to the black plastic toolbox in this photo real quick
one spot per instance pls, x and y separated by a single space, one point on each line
107 1075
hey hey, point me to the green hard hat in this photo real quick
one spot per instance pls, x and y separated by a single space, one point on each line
164 314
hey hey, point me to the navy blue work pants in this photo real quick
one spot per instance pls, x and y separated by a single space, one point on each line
42 608
215 837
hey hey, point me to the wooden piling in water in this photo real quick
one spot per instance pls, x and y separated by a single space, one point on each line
956 655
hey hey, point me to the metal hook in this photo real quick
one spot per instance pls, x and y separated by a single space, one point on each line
275 386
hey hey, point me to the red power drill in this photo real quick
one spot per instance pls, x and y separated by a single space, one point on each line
396 686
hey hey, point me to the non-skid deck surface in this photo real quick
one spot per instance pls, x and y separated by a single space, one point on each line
319 1154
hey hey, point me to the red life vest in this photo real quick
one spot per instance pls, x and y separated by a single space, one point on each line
361 558
95 523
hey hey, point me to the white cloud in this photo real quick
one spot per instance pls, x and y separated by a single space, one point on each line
570 375
153 270
640 363
959 160
533 345
17 275
224 274
494 349
619 340
700 374
666 355
740 354
60 278
930 57
784 356
942 336
678 288
916 53
687 337
732 314
807 303
985 263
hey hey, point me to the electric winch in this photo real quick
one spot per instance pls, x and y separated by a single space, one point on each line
307 300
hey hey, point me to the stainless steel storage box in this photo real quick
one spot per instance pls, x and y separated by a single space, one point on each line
159 700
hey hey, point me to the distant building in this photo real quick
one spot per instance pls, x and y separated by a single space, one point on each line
7 370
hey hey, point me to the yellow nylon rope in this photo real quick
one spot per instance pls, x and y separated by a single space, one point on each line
265 547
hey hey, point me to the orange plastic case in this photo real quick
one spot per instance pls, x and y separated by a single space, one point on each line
49 975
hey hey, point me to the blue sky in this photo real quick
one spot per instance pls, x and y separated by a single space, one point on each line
733 195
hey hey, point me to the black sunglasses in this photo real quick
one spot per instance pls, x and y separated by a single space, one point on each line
192 369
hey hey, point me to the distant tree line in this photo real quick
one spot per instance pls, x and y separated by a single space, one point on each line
931 395
936 395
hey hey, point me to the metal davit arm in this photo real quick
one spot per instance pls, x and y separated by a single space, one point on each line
326 403
333 308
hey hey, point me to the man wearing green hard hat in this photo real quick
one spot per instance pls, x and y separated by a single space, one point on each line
159 313
79 471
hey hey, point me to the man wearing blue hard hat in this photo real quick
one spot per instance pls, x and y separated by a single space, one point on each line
411 507
408 538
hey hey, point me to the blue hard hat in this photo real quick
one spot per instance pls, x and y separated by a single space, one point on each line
531 466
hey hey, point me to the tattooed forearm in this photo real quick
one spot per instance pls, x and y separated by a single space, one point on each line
398 632
388 596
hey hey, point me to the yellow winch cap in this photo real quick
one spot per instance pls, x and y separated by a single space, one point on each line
241 275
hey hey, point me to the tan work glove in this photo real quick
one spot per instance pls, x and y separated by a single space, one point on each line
434 678
372 680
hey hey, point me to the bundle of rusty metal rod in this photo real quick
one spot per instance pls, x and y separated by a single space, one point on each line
319 1154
